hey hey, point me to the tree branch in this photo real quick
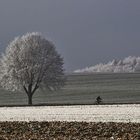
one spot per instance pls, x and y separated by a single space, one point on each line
35 88
25 89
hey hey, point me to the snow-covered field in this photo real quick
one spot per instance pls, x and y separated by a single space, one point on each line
88 113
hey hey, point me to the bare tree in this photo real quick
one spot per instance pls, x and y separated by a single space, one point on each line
29 63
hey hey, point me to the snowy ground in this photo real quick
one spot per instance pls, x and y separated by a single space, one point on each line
88 113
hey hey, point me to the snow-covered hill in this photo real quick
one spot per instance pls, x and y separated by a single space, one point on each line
129 64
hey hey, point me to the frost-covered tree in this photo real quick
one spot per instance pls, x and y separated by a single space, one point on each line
129 64
29 63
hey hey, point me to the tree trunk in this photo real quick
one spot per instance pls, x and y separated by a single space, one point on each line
30 92
29 99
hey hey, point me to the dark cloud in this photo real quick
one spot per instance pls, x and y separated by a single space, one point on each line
85 32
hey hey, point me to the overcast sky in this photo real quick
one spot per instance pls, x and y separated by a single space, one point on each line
85 32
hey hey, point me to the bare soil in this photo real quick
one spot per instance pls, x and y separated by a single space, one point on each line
69 131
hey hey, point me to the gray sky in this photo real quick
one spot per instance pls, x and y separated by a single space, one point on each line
85 32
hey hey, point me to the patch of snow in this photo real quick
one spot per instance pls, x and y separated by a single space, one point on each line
88 113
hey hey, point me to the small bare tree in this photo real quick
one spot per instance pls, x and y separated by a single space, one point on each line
29 63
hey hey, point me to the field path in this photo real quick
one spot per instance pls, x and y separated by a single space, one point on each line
88 113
